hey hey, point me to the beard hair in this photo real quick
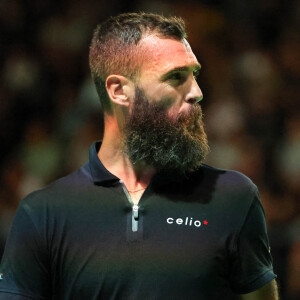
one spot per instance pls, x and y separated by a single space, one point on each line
168 145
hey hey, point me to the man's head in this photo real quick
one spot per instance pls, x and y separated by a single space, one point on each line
146 68
116 46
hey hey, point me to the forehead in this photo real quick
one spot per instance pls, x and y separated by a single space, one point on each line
164 54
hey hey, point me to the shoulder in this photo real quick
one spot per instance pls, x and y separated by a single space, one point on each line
60 191
229 192
228 179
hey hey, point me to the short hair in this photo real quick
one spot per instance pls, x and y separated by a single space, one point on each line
115 46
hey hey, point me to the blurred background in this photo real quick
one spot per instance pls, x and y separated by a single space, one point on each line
249 50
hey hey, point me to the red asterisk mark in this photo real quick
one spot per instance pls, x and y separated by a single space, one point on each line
205 222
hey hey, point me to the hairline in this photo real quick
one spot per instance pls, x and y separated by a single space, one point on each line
155 34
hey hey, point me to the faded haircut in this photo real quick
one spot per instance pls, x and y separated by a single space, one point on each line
115 47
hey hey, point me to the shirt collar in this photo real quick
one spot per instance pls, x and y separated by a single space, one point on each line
102 176
99 173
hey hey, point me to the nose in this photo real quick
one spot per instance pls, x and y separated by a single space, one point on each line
194 94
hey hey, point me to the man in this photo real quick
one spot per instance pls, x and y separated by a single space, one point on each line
144 218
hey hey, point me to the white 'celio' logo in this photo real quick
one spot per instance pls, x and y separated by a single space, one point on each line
186 222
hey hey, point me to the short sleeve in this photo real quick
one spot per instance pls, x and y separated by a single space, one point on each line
251 264
24 268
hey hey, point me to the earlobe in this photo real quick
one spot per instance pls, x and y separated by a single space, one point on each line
117 87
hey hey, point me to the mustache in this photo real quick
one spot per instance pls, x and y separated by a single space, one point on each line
192 118
193 112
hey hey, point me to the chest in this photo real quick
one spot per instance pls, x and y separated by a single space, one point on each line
107 245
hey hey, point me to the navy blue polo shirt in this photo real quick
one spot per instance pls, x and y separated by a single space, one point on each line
202 236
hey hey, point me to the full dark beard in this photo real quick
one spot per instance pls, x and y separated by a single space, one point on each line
154 139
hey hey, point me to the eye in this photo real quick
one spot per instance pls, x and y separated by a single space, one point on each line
177 78
196 73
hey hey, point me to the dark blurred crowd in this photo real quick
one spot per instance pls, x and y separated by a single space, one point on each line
250 78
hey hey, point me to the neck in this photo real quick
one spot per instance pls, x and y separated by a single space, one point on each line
117 162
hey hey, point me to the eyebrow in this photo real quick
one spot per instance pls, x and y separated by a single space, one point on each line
194 68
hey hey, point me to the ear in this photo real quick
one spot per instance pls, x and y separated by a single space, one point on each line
119 89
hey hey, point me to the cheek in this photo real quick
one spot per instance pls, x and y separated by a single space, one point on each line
173 112
163 95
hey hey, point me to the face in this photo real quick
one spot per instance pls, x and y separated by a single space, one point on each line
165 129
168 74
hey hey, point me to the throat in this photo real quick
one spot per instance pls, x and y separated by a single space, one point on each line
136 195
136 191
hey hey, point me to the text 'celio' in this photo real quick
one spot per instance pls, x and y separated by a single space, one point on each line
186 222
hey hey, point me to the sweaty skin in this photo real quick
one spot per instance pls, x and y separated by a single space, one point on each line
165 55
